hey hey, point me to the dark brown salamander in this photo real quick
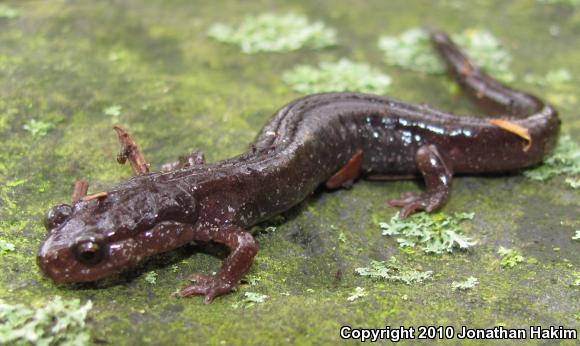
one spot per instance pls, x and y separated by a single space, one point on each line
327 138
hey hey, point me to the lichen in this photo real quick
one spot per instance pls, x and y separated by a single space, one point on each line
510 257
59 322
412 50
434 233
574 3
270 32
576 236
554 78
467 284
565 160
38 128
8 12
250 299
6 247
358 292
343 75
393 270
151 277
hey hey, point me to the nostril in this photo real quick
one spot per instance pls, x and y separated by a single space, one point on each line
57 215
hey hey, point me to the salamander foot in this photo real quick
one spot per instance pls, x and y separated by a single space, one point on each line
411 202
207 286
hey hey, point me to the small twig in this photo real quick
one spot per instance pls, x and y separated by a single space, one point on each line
130 151
514 128
80 190
97 195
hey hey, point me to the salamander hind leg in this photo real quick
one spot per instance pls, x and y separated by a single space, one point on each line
243 249
346 176
438 176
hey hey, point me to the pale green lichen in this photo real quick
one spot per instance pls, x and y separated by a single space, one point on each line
392 270
275 33
565 160
412 50
151 277
59 322
358 292
434 233
250 299
6 247
573 182
8 12
565 2
252 280
510 257
38 128
113 111
468 284
554 78
344 75
576 236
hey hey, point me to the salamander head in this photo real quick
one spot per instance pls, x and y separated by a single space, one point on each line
95 238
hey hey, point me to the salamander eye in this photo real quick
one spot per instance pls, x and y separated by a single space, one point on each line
57 215
89 252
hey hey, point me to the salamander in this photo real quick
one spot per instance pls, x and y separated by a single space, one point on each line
330 138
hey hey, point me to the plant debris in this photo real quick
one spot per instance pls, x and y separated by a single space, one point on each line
59 322
468 284
435 233
275 33
413 50
344 75
392 270
565 160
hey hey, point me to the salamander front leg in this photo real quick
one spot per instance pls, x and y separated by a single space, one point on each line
243 249
438 176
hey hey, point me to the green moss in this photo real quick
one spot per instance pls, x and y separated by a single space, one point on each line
66 62
576 279
435 233
275 33
412 50
59 322
343 75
